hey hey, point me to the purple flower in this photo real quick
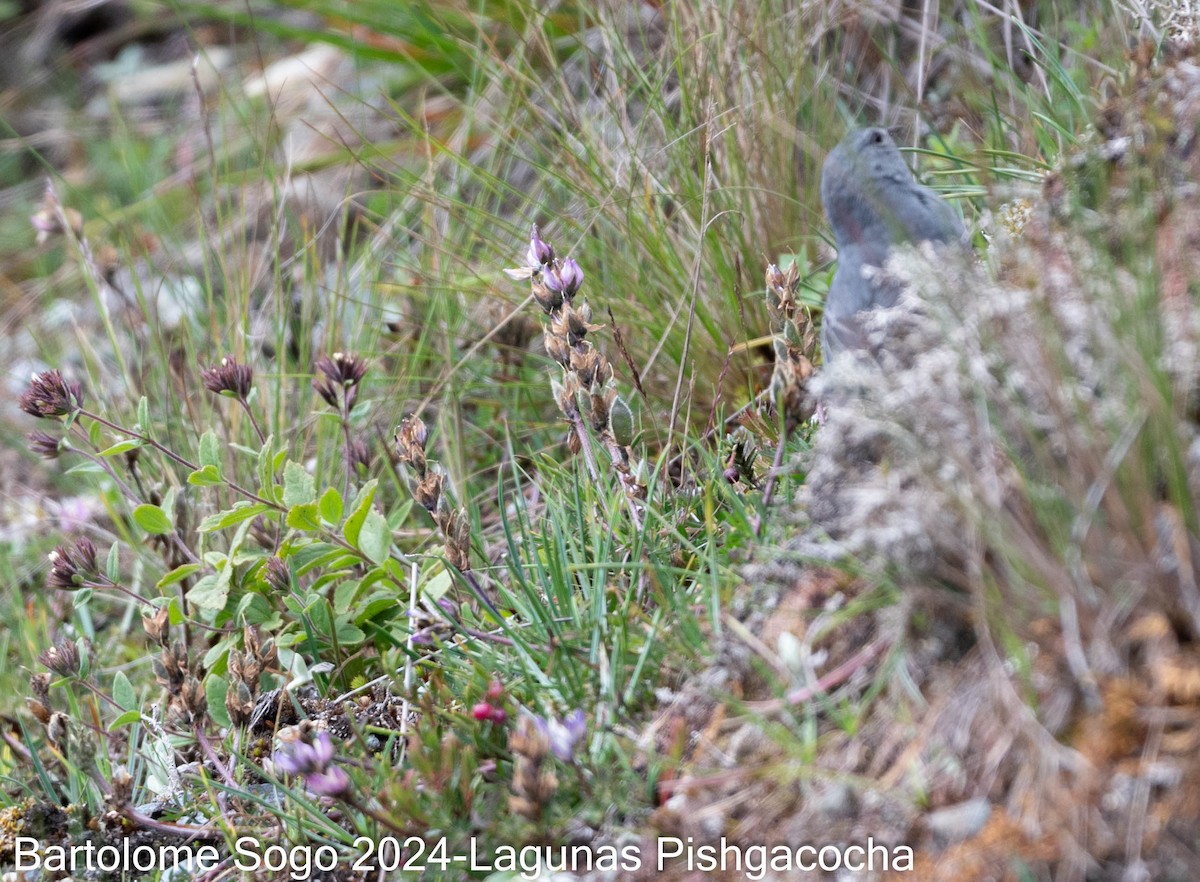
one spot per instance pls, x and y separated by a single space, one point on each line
333 782
540 253
45 445
342 368
564 735
341 371
564 277
49 396
73 567
312 760
228 378
277 575
538 257
358 455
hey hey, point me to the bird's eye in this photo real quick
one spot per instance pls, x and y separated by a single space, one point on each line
876 137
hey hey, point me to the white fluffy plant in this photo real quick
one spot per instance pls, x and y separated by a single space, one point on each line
1021 434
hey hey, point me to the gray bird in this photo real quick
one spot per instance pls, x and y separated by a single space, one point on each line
873 203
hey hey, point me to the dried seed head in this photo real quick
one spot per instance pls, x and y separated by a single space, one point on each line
411 437
192 700
428 491
157 625
457 530
40 711
236 665
122 784
39 684
547 298
239 703
170 668
259 647
598 417
529 740
591 367
534 783
781 290
56 729
558 349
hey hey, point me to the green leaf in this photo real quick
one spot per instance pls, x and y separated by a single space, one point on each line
349 634
344 594
176 575
254 609
331 506
87 467
400 513
212 591
175 614
375 539
242 511
152 519
397 572
205 477
291 638
216 660
266 474
238 538
215 689
365 612
304 517
436 587
210 450
360 411
298 485
83 646
123 693
121 447
112 567
320 616
143 412
311 555
358 511
126 719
